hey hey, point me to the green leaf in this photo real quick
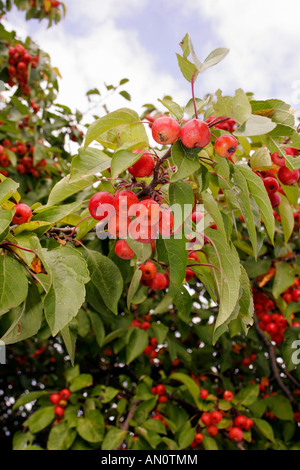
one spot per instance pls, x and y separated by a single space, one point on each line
126 124
287 217
69 335
106 277
91 427
86 164
68 273
66 188
81 381
124 158
255 125
181 194
236 107
209 443
265 428
61 437
173 107
261 159
113 438
248 395
13 284
185 166
8 189
188 69
186 436
260 196
281 407
245 205
25 321
5 220
41 419
191 386
284 278
28 398
137 342
134 285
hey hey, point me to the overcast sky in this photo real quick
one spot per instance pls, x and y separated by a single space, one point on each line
103 41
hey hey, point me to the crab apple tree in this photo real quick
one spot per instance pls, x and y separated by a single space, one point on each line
150 291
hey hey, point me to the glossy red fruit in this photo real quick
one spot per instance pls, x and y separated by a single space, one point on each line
118 226
296 295
205 418
55 398
101 205
277 159
59 411
123 201
165 130
166 223
203 394
226 145
240 421
142 233
159 282
65 394
148 212
235 434
216 417
144 166
198 438
212 430
123 250
272 328
163 399
271 184
160 389
22 215
228 395
275 199
189 274
288 177
148 270
195 133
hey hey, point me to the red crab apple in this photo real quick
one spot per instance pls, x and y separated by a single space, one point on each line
271 184
235 434
165 130
55 398
123 201
123 250
148 270
59 411
144 166
226 145
288 177
101 205
195 133
159 282
22 215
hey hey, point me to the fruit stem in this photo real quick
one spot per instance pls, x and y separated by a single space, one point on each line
193 95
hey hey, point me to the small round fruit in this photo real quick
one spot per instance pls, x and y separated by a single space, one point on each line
123 201
144 166
166 223
148 270
65 394
271 184
288 177
277 159
148 212
203 394
240 421
163 399
159 282
123 250
275 199
235 434
189 274
101 205
142 233
165 130
59 411
55 398
195 133
212 430
198 438
22 215
205 418
226 145
160 389
216 417
228 395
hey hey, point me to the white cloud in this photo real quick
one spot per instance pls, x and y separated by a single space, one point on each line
263 38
